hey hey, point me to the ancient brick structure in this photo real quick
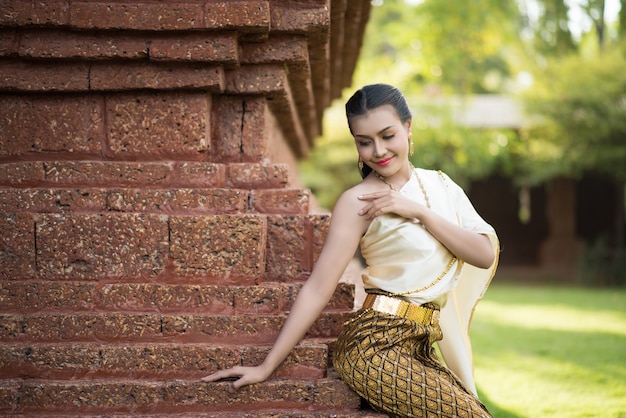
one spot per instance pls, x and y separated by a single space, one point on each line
151 226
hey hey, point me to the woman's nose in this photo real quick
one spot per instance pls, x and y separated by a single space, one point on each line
379 149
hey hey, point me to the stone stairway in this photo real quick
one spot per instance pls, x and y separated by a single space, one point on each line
118 300
152 229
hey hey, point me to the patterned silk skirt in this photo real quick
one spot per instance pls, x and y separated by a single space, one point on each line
391 362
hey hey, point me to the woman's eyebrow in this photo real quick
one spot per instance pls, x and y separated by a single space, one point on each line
379 132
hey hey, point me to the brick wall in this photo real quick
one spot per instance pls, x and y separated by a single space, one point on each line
152 229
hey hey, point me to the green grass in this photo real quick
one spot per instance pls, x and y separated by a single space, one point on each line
551 351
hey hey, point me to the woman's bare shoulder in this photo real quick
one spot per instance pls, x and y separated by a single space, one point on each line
350 197
349 200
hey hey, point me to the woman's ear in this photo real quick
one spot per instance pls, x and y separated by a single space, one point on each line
408 125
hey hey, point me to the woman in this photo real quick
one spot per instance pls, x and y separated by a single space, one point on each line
425 248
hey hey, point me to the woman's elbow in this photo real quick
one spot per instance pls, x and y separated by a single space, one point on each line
485 261
486 257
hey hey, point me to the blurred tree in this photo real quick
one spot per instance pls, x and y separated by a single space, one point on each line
432 49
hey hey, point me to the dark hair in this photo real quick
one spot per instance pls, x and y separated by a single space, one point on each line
372 96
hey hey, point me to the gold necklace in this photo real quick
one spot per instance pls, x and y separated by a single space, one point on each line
419 181
452 260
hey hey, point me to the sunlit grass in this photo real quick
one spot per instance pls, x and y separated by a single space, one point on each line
551 352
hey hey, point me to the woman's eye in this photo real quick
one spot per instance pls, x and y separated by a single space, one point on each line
388 136
363 143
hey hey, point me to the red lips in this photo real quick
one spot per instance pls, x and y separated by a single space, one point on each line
384 162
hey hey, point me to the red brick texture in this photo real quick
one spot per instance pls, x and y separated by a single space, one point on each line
152 228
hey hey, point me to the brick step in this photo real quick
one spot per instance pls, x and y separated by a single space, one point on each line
149 327
136 397
227 249
184 201
24 297
309 360
361 413
163 174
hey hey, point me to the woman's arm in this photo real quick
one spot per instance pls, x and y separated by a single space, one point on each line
343 237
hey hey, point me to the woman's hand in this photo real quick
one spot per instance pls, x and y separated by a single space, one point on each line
389 201
245 375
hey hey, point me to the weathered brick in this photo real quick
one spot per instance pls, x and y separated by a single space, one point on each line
144 297
162 124
228 246
199 174
250 16
17 245
188 201
168 360
160 76
288 49
22 173
239 128
70 360
283 106
52 200
287 256
72 124
31 77
257 176
9 42
318 224
226 127
255 133
223 329
215 47
104 173
78 200
9 395
10 326
259 299
137 16
286 18
25 13
92 246
256 79
98 327
45 296
82 397
300 395
72 45
272 80
324 396
280 201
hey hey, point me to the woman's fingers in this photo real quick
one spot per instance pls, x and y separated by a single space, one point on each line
222 374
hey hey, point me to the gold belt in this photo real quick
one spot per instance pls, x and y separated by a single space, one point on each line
398 307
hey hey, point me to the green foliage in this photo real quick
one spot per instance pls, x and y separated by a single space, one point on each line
459 47
432 49
582 101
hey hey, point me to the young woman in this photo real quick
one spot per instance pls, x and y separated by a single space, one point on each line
429 258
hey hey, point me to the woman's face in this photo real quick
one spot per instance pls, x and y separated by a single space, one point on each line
382 139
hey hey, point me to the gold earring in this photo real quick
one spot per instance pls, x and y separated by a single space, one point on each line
360 164
411 150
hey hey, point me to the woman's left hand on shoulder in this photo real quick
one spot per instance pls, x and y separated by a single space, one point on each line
389 201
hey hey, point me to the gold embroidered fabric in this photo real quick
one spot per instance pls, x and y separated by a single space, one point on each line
391 363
